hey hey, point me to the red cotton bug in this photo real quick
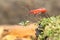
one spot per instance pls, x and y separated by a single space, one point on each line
39 11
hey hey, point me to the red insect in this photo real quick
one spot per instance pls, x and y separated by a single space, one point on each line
37 11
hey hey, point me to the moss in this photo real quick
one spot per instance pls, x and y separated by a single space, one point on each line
51 28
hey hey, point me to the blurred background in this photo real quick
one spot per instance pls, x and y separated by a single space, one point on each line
14 11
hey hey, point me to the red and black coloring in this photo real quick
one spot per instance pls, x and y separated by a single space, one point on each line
41 11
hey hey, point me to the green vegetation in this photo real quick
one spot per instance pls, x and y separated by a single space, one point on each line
50 28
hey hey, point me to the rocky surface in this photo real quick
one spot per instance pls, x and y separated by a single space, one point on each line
12 32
